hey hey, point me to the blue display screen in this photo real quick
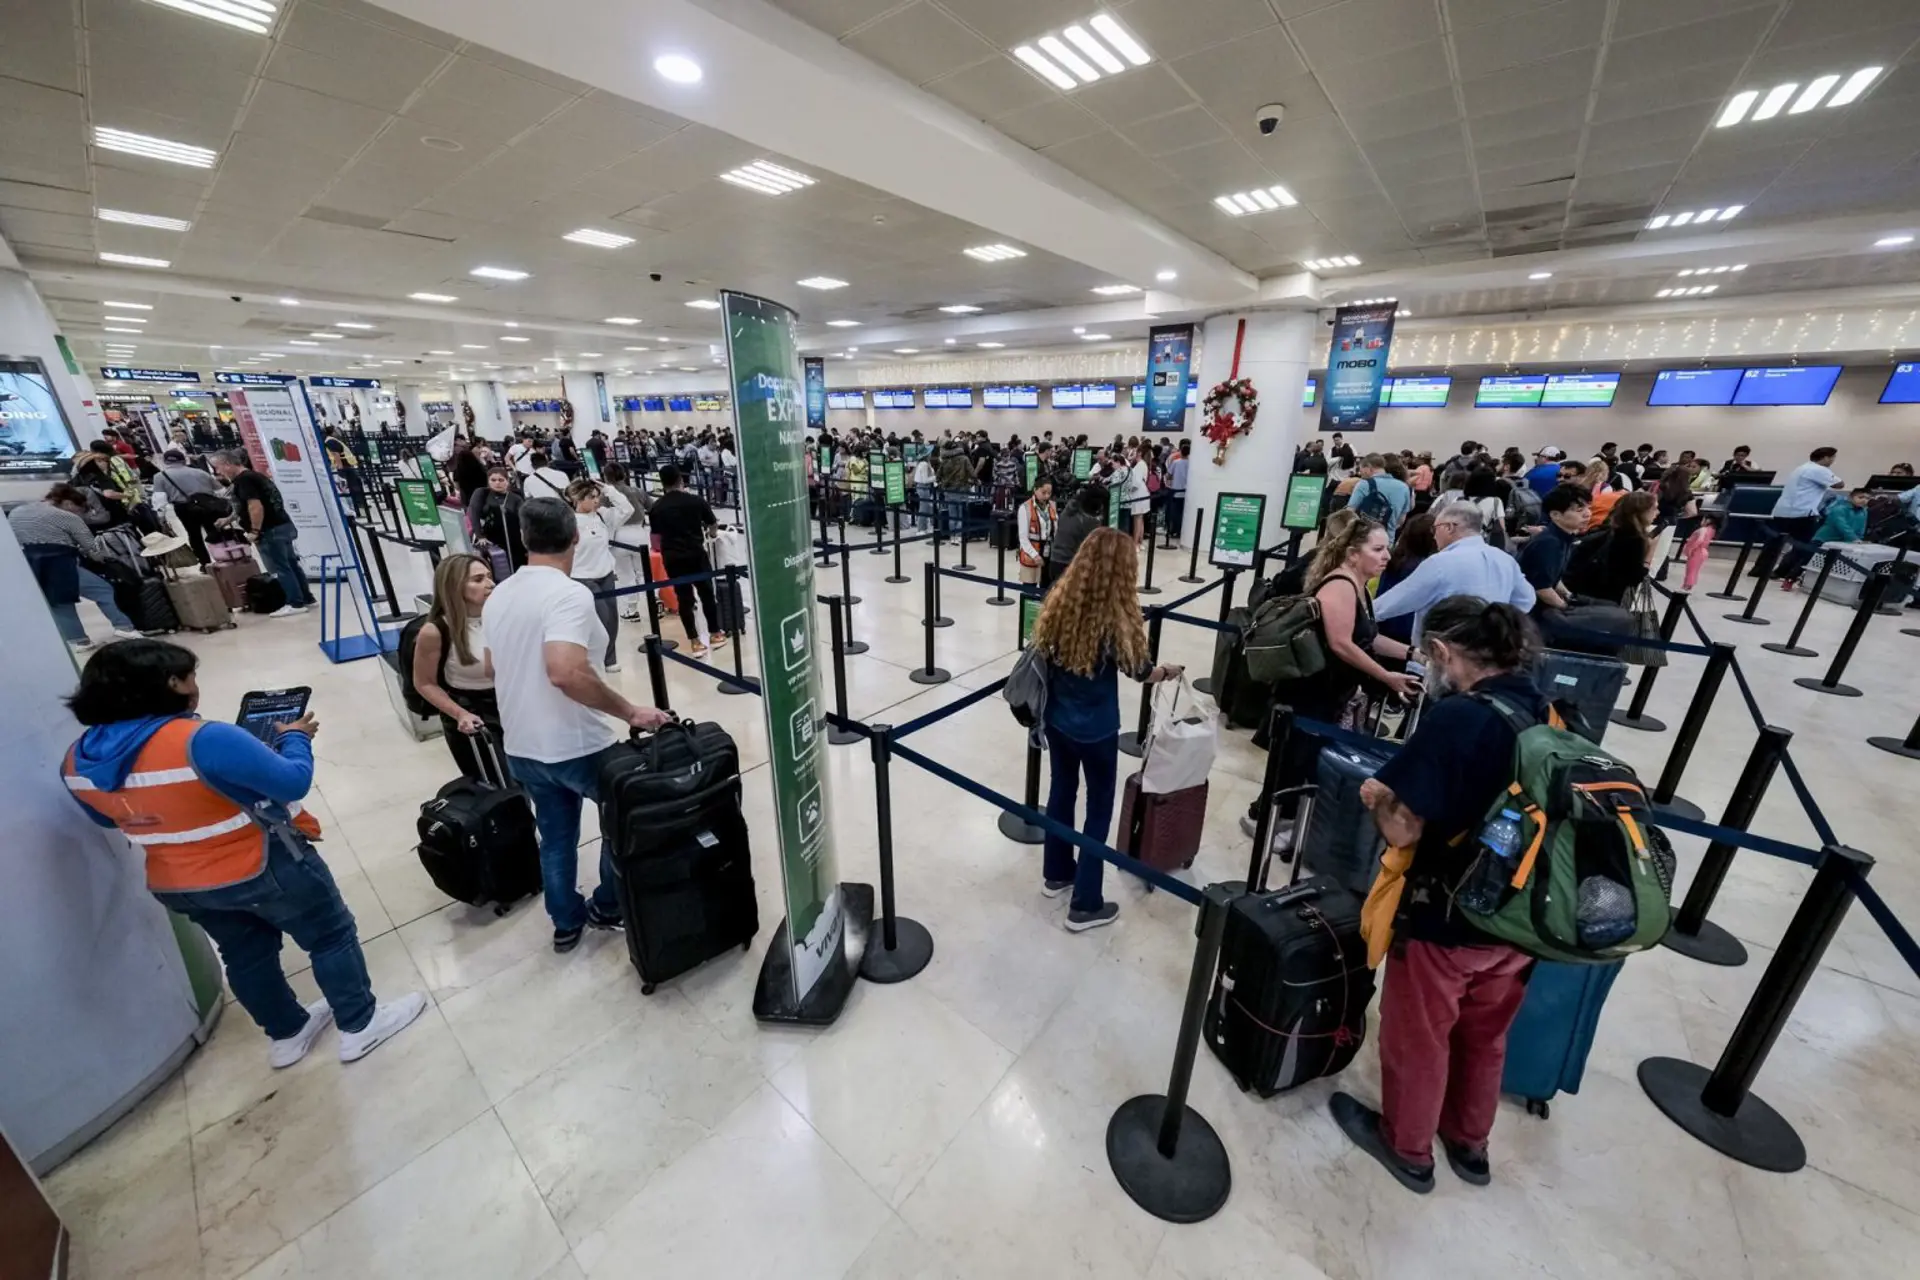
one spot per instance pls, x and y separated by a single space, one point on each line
680 404
1787 385
1099 395
1679 387
1904 386
1023 397
1416 393
1308 393
1510 391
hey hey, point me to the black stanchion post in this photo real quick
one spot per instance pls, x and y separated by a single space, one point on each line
1792 647
1691 724
1692 933
1908 746
1014 827
1163 1152
1894 567
836 736
899 575
1205 683
1635 716
653 599
966 530
846 595
897 948
826 547
657 671
1762 579
1147 588
880 528
386 578
1279 733
1193 558
1732 590
929 674
939 619
730 585
1871 594
1716 1106
999 597
1134 742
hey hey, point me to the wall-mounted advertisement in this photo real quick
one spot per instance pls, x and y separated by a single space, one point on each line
287 450
816 374
35 437
1169 369
1356 367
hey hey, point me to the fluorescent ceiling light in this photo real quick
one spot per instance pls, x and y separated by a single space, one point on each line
1083 52
1326 264
843 324
1079 328
1889 242
1120 38
128 306
1658 221
473 346
350 324
507 337
301 342
433 297
1855 86
1258 200
1164 276
135 260
153 220
498 273
1095 337
110 329
248 15
1776 99
678 68
289 302
767 178
598 239
1810 96
1737 107
704 304
623 320
139 144
906 351
994 252
1711 214
1033 58
1056 48
623 348
821 282
1115 290
1730 211
990 346
127 319
1083 40
431 353
324 336
1540 275
960 309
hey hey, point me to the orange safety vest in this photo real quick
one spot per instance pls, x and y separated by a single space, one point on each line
194 837
1034 531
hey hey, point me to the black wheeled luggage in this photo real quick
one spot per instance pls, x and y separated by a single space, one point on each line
670 815
1341 839
265 594
145 601
1242 699
1587 684
478 841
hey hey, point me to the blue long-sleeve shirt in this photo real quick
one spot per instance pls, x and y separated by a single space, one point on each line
228 758
1468 567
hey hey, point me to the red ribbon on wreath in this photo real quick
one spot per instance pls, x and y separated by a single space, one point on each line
1222 425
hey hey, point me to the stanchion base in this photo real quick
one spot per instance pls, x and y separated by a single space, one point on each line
1910 631
1019 832
878 551
1187 577
664 644
1756 1134
851 647
773 994
1148 591
964 568
853 600
943 622
1726 595
838 737
1648 724
1190 1187
1002 602
1712 945
1752 622
1897 746
1684 807
735 691
929 675
1838 690
1204 684
912 950
1130 744
1791 650
897 578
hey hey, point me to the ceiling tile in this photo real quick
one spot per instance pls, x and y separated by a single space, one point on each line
1559 148
1541 119
920 43
21 195
1570 75
1413 146
1473 13
1216 167
1542 33
1638 17
1675 52
836 17
1356 30
40 46
1175 131
1105 158
368 65
127 84
993 88
605 122
386 19
1048 124
325 126
1175 28
1400 116
1140 93
1415 69
1526 173
1007 23
1810 21
1781 58
1624 99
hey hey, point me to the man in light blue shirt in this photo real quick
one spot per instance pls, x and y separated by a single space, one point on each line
1464 566
1797 512
1379 496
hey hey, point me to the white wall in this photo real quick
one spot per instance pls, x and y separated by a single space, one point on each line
1870 436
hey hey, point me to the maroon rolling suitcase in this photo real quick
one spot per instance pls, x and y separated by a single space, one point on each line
1169 825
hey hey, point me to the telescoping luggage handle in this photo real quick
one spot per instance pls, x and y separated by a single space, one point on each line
486 749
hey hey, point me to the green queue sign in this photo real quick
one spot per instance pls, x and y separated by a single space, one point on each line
896 484
1237 518
1302 507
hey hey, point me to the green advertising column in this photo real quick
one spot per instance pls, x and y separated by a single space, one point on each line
808 970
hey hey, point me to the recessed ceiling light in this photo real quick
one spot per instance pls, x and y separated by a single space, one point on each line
1095 337
1115 290
431 353
301 342
153 220
127 319
139 144
433 297
906 351
623 320
328 337
350 324
1328 264
473 346
1403 314
598 239
110 329
1086 54
248 15
1079 328
1259 200
994 252
1776 98
128 306
589 355
767 178
498 273
990 346
687 368
678 68
1890 242
1540 275
1712 213
960 309
1164 276
821 282
135 260
704 304
507 337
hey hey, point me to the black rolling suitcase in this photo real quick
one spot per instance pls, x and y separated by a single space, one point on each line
670 814
1242 699
729 604
145 601
265 594
1585 684
478 842
1341 839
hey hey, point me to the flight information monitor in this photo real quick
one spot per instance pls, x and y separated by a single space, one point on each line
1800 384
1416 393
1580 390
1510 391
1904 386
1673 388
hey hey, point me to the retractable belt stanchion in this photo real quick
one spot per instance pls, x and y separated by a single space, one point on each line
999 597
879 547
849 599
1718 660
1893 567
1871 594
657 671
929 674
1163 1152
826 547
899 576
1635 716
1792 647
653 598
1193 558
1133 742
1908 746
1732 590
1692 933
897 948
730 577
1147 588
836 736
1715 1106
1762 578
966 528
1279 731
1205 683
1012 826
386 578
938 619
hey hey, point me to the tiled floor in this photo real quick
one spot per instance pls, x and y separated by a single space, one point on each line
545 1121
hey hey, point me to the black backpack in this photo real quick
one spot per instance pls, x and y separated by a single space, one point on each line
1373 504
409 692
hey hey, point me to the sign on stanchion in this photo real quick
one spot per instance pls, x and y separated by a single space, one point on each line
1237 518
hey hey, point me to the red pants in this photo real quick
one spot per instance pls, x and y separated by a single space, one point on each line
1443 1042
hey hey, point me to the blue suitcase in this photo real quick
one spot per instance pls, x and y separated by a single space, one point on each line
1547 1045
1341 839
1589 684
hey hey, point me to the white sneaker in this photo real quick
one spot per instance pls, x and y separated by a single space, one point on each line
125 633
612 668
698 651
720 639
81 646
288 611
390 1017
284 1053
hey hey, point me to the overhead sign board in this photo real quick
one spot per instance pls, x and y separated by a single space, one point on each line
240 378
125 373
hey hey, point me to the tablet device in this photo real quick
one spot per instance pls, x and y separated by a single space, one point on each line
262 709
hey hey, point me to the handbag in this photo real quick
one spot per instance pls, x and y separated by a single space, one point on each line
1181 745
1646 626
1286 639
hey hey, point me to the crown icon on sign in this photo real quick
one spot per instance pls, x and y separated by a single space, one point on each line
798 640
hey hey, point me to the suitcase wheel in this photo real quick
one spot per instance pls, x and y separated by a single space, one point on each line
1538 1107
747 945
646 988
500 909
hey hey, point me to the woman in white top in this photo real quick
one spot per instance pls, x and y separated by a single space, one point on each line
450 664
923 487
599 512
1136 495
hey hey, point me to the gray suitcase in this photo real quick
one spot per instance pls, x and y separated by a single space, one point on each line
198 602
1341 838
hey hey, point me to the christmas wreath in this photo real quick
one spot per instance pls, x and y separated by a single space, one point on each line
1222 425
566 413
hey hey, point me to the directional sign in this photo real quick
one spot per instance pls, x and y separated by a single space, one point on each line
363 384
242 379
122 373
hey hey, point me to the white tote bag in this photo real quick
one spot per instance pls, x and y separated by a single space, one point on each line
729 547
1183 739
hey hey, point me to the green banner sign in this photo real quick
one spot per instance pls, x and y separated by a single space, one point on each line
1033 471
1113 505
1236 529
1082 463
823 465
1029 614
1302 509
896 484
429 471
418 504
876 470
769 417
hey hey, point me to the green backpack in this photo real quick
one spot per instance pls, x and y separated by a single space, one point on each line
1567 865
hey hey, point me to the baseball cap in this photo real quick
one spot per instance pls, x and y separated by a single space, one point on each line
1551 453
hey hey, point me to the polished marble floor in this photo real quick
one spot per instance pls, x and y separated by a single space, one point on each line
545 1121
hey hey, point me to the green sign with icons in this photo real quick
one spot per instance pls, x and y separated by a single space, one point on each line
896 484
876 470
824 463
1029 614
1082 463
1114 503
1302 508
417 504
429 471
1033 471
1236 529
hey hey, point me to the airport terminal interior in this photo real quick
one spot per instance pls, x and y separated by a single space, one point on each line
1264 254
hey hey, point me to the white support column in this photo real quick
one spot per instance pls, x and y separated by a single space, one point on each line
489 402
592 401
407 395
1275 355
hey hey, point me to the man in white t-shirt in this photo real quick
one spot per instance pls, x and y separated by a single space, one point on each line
544 642
520 456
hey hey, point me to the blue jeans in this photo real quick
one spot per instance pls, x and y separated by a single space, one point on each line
923 509
97 589
282 560
1066 759
294 895
556 791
